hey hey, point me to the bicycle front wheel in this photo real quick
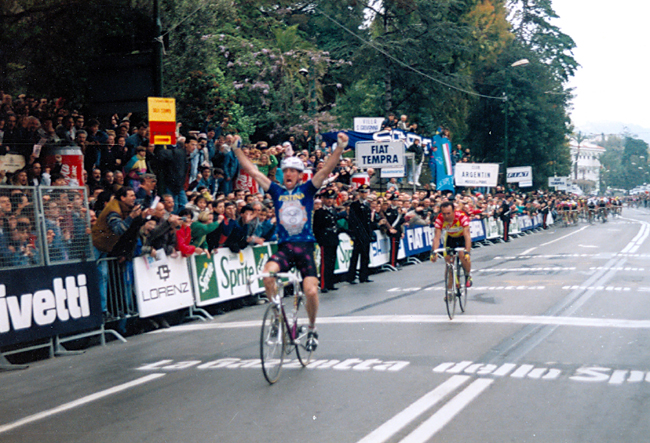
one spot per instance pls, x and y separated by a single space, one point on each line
300 333
272 343
450 291
462 293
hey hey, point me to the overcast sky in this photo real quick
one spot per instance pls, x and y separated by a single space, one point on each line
612 42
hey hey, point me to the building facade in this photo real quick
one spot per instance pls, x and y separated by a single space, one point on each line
585 165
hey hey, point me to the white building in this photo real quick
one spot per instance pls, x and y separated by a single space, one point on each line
585 165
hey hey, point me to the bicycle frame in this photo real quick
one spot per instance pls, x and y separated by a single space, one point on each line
452 269
278 300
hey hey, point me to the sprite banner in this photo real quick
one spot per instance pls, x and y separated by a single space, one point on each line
343 254
226 274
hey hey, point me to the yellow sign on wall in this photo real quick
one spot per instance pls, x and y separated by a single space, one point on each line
162 109
162 120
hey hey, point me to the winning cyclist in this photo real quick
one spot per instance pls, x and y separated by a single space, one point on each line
294 207
455 226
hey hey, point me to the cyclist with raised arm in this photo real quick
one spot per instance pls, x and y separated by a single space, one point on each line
455 227
294 207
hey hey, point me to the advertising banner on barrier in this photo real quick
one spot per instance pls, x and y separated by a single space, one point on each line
491 228
379 250
343 254
205 281
416 240
42 302
514 226
162 284
525 223
477 230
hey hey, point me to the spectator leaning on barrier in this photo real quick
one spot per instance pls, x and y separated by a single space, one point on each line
204 225
184 235
112 223
163 236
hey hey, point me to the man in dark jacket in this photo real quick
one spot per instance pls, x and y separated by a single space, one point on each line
327 236
504 214
391 225
175 165
361 230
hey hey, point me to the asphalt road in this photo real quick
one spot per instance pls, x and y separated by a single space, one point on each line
552 348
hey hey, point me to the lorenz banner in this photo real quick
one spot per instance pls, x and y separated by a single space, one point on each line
162 284
43 302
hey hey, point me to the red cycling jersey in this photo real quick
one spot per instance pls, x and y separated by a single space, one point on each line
455 228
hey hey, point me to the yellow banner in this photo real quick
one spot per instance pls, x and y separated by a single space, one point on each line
162 109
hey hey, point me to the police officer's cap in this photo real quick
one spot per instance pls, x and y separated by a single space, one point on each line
330 193
364 188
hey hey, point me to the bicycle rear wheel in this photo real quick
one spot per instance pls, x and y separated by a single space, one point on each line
450 291
300 334
272 343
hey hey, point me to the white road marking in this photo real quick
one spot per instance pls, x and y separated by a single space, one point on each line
564 236
638 240
490 288
401 319
80 402
402 419
446 413
588 246
547 268
528 251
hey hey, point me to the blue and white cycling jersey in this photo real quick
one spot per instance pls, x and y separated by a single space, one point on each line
294 210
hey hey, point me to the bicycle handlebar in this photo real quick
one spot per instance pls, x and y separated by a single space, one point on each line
441 250
288 275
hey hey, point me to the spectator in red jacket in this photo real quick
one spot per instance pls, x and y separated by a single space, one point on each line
184 235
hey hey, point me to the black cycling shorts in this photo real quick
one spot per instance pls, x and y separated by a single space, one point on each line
455 242
300 255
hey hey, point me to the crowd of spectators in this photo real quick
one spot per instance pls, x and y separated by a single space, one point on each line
188 198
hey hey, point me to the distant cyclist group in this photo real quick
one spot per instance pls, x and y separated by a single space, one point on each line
591 209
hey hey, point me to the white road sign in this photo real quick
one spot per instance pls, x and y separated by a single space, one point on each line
476 174
376 155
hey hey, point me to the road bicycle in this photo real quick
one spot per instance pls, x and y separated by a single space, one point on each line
283 331
454 290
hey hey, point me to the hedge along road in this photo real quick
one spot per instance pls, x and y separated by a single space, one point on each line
521 364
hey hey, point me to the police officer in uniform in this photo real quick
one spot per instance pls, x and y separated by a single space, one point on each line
361 230
326 232
392 227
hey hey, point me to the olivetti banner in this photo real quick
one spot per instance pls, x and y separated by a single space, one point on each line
43 302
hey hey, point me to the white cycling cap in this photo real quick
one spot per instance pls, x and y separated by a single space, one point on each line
293 163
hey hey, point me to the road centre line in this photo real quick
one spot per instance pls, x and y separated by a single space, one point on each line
429 319
446 413
79 402
419 407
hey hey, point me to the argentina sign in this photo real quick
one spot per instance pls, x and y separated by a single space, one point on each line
476 174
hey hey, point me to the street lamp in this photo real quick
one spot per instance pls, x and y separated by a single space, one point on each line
522 62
